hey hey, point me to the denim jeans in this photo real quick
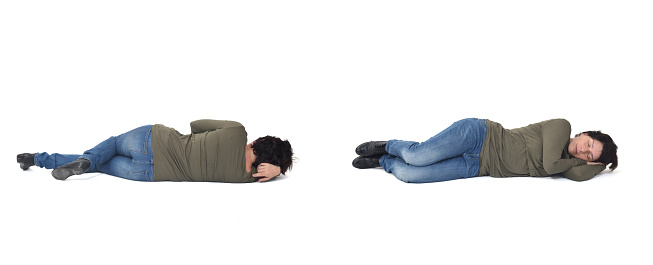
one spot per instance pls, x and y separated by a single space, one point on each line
128 156
451 154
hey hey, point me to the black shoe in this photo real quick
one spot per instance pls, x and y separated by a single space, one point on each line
371 148
76 167
363 162
25 160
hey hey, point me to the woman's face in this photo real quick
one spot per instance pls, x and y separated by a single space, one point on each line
585 148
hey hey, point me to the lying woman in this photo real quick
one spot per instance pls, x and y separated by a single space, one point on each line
215 151
475 147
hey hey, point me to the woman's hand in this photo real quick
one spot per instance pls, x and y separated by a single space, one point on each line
266 172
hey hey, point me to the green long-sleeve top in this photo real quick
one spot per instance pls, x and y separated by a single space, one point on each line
214 151
537 150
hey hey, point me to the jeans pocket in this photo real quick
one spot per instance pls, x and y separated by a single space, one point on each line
473 162
138 140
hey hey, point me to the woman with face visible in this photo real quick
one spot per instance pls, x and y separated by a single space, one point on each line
475 147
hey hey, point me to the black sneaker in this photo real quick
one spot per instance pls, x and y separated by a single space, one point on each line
371 148
363 162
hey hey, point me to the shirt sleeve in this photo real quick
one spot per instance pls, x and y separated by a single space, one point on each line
200 126
555 135
583 173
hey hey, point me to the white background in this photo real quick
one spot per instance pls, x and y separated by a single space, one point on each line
327 75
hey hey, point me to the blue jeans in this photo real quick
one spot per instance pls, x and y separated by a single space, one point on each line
451 154
128 156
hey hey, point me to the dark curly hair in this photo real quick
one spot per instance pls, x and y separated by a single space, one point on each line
272 150
609 153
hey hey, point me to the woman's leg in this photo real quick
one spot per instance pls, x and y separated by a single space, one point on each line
105 151
134 145
52 161
132 158
465 166
118 145
463 137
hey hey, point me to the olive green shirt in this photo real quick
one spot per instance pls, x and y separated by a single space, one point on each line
537 150
214 151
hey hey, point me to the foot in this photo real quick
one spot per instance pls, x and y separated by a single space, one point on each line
25 160
371 148
76 167
363 162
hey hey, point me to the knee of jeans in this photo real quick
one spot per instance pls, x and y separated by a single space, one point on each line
415 159
402 175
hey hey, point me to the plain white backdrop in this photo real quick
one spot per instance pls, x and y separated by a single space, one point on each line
327 75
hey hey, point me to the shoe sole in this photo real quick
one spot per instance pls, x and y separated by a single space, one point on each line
65 173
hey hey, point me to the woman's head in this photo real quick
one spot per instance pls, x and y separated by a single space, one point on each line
594 146
272 150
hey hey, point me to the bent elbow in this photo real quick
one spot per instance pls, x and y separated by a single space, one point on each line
577 177
580 179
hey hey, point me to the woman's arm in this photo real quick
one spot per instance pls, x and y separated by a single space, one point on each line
555 135
582 173
200 126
